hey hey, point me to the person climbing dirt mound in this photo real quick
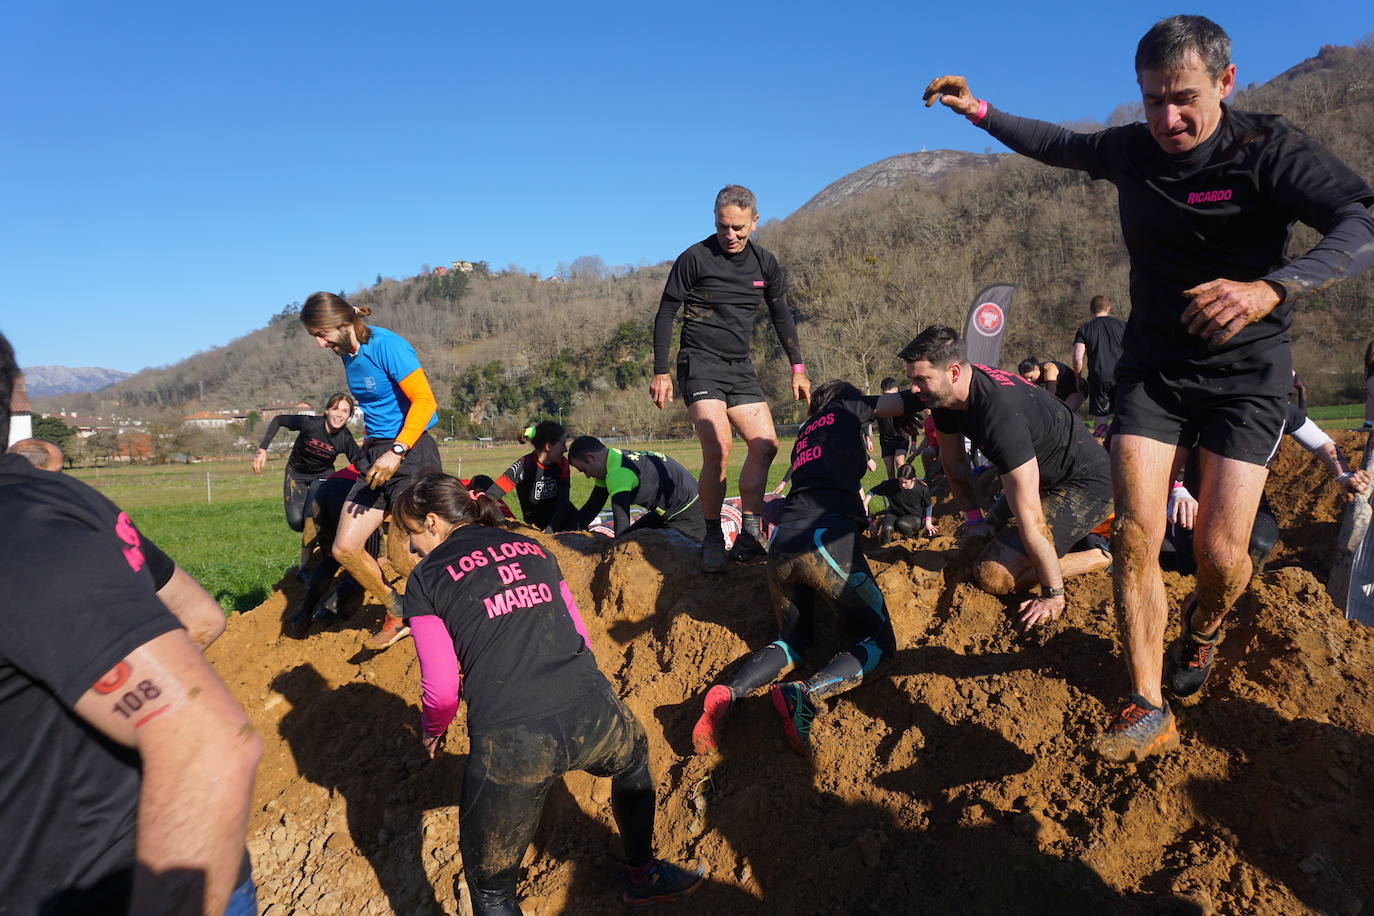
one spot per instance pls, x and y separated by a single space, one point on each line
958 783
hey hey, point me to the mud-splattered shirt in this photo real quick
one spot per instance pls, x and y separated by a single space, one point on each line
510 628
1223 210
722 293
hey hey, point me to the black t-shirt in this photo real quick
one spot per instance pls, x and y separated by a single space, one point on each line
828 464
889 438
1222 210
1101 340
542 491
316 447
522 650
1011 421
79 597
722 293
904 501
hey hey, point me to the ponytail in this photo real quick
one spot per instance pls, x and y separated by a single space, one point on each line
326 311
445 496
542 433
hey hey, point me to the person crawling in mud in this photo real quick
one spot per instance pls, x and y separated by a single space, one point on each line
493 619
815 553
910 506
1055 478
660 484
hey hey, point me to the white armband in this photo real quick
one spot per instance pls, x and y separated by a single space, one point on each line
1311 436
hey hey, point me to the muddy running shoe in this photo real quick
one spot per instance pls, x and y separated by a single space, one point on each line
297 625
660 882
713 558
706 733
1138 731
393 629
1190 659
797 710
747 549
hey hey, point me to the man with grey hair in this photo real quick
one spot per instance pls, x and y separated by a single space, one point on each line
1207 196
722 281
40 453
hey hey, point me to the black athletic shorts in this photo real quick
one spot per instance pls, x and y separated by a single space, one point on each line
1236 411
703 376
422 458
890 447
1101 397
1072 512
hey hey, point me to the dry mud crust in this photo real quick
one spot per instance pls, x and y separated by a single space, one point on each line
956 782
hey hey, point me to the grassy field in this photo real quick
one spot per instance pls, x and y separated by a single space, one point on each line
232 536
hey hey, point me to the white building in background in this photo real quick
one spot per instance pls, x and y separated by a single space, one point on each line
21 417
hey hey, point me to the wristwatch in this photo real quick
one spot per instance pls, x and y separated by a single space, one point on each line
1052 592
399 448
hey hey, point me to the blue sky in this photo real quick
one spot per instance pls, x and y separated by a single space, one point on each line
173 174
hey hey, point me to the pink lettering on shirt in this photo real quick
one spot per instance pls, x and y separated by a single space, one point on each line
126 532
759 283
578 625
1209 197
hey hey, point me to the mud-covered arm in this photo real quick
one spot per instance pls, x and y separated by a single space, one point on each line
1346 249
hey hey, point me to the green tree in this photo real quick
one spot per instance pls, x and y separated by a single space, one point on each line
52 429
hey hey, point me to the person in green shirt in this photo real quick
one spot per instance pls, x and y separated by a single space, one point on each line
636 478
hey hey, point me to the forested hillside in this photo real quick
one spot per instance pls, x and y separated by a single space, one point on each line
866 274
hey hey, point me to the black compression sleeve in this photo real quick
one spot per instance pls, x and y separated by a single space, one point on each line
1344 251
1045 142
277 423
620 511
786 328
562 507
587 514
663 334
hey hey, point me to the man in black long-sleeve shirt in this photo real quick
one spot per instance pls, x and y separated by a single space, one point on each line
1208 195
722 280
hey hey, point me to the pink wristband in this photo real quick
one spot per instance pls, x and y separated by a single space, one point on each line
1177 484
981 112
799 368
973 515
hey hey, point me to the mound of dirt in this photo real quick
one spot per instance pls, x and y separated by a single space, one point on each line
958 782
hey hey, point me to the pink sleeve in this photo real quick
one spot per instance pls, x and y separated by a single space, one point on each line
441 680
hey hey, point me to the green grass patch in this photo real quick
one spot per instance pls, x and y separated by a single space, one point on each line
232 535
1337 412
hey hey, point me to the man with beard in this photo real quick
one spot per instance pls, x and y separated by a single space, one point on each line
1055 480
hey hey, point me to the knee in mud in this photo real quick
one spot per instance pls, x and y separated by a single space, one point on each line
993 578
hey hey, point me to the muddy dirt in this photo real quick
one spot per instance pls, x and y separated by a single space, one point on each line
957 783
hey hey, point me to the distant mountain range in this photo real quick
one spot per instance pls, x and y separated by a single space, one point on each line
899 170
44 381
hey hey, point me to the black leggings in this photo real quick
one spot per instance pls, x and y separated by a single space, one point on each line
689 521
297 492
905 525
509 771
803 564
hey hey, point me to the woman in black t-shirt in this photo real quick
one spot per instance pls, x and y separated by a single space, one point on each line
541 480
493 618
319 441
815 552
909 506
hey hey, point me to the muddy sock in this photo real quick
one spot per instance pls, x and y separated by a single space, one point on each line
751 524
713 530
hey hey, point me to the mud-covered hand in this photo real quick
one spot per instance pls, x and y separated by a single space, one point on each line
1220 309
432 744
801 387
259 459
1356 483
931 529
975 530
1040 610
952 92
661 389
382 469
1182 508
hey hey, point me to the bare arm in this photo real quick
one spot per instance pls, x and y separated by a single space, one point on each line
955 461
199 613
1080 359
1022 488
198 754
